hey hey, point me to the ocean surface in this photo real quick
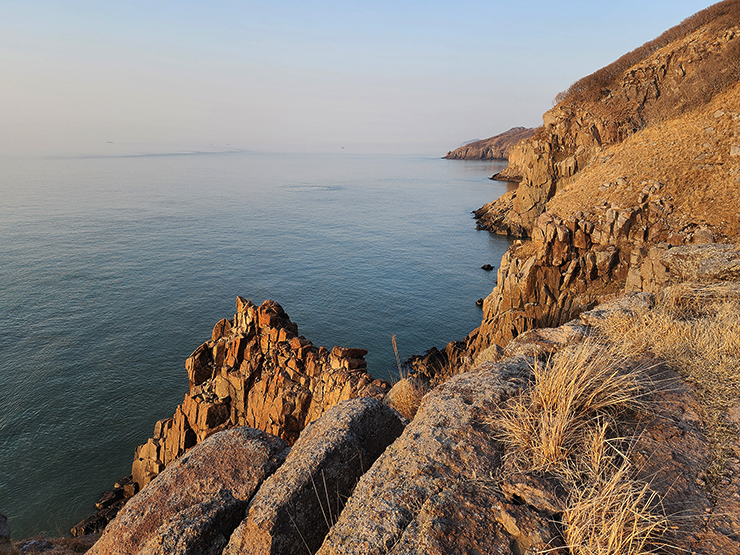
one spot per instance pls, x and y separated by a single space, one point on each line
113 269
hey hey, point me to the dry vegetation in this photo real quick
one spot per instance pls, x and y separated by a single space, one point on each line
692 157
568 423
696 330
719 16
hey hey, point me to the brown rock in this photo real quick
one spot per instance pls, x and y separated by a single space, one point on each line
706 262
497 147
442 448
294 508
203 494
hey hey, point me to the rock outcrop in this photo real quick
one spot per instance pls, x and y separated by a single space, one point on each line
669 79
422 495
296 506
497 147
196 502
255 371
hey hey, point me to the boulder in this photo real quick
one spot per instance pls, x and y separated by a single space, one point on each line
4 528
428 492
294 508
199 499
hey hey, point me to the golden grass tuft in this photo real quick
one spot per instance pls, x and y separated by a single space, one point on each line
561 423
614 515
695 329
407 395
567 425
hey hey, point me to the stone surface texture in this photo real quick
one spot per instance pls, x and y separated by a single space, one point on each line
195 504
294 508
416 498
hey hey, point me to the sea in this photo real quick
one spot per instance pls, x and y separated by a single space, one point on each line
114 268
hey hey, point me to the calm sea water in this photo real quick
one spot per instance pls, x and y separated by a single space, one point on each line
114 269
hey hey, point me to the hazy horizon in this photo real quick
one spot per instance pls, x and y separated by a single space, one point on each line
86 77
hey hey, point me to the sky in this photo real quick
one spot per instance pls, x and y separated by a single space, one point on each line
83 76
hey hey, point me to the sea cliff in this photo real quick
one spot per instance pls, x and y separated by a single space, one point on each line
595 409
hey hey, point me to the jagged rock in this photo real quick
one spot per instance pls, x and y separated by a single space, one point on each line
202 495
294 508
255 371
445 447
4 528
91 525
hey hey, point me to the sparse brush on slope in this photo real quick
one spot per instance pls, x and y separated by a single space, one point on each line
591 88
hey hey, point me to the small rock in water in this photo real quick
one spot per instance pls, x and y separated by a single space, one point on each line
479 302
4 528
486 267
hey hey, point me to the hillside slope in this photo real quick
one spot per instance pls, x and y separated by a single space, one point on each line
642 100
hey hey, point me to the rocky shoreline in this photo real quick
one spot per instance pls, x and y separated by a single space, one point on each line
280 446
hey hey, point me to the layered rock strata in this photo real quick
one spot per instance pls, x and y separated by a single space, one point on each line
255 371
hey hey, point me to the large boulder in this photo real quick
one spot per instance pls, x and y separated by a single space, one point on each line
193 506
294 508
417 497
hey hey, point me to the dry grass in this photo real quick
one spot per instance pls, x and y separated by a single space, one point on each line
567 425
592 87
695 329
561 424
407 396
615 515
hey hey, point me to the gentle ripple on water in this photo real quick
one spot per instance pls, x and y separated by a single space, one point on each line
112 271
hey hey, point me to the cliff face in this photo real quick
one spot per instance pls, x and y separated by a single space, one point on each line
617 176
254 371
672 82
497 147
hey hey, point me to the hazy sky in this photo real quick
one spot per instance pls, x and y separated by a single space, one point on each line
418 77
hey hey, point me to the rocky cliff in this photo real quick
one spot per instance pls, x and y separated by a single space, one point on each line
497 147
665 84
642 156
254 371
361 479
